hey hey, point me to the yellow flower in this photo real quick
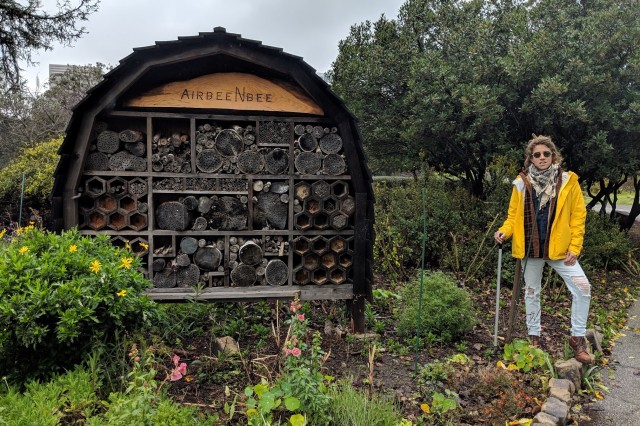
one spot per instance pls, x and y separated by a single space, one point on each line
95 266
23 249
126 245
126 262
73 248
143 245
121 293
4 231
19 231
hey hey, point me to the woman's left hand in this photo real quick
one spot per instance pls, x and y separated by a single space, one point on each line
570 259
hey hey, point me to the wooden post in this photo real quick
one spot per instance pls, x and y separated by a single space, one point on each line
515 298
355 307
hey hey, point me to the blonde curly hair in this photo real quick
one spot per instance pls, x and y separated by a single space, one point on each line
541 140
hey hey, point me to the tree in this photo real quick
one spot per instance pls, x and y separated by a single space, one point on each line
26 28
27 118
479 77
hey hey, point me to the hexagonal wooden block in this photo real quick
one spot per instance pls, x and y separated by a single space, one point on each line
338 275
302 221
311 262
301 245
319 277
95 186
338 244
321 220
117 186
302 190
321 189
106 204
340 189
118 220
96 220
319 245
137 221
301 276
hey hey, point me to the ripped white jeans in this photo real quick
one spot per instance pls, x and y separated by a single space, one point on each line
576 282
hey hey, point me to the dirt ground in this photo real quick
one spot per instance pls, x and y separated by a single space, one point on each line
214 380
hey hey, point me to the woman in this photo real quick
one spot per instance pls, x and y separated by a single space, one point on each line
546 219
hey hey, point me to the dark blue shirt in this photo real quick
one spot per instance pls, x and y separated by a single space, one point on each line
542 218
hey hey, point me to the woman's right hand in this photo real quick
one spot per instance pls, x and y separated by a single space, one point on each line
499 237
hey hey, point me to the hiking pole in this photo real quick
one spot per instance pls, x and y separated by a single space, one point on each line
495 329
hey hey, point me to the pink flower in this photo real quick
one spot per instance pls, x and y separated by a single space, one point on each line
296 352
300 317
179 370
293 307
287 351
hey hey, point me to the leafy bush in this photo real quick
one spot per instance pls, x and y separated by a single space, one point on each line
456 226
447 312
61 400
38 164
60 293
355 408
605 245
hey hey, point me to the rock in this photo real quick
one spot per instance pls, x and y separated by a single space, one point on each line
543 418
556 408
365 336
595 339
563 384
571 370
226 344
562 394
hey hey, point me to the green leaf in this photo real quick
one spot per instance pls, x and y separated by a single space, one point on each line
292 403
297 420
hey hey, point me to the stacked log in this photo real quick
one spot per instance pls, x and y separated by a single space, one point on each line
271 210
218 149
276 272
319 151
171 153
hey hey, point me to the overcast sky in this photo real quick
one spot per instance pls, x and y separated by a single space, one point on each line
307 28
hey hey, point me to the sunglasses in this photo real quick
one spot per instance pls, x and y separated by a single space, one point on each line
538 154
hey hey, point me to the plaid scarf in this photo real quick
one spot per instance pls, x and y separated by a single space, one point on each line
543 182
531 233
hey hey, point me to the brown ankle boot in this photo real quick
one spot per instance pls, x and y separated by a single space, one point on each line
535 341
579 346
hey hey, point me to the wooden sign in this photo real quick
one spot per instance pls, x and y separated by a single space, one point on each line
236 91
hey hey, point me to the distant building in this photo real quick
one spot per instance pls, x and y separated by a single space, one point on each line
55 72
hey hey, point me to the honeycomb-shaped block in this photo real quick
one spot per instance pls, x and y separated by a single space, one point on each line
303 221
319 245
139 246
127 203
348 205
138 187
338 275
338 244
97 220
301 276
339 220
117 220
319 277
329 260
321 220
321 189
301 245
302 191
137 221
117 186
106 204
340 189
95 186
120 241
313 205
331 204
311 262
86 203
346 260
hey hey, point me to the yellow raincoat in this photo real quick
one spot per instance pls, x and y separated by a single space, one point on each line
567 230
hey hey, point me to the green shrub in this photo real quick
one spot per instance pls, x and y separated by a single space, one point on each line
38 163
605 245
61 293
457 224
354 408
447 313
61 400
